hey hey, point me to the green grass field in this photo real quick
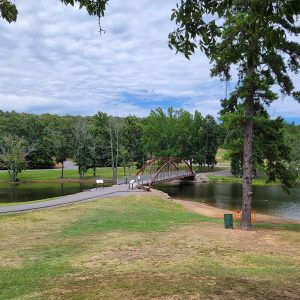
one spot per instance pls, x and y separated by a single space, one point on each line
259 180
142 247
54 174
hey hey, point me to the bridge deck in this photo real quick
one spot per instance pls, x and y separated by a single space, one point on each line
159 178
161 169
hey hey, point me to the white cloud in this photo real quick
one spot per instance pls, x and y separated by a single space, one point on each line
54 60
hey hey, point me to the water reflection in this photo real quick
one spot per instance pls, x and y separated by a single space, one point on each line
23 192
266 199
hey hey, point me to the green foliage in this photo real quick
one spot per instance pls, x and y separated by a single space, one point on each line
38 130
246 34
272 154
207 140
14 151
116 141
100 132
93 7
132 140
252 37
97 8
82 138
275 153
60 135
180 134
292 138
159 133
8 11
236 165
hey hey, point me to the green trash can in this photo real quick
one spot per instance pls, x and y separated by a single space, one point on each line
228 221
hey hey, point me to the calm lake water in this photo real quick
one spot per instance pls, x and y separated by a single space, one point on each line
266 199
22 192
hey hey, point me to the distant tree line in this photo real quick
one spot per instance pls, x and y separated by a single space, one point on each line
180 134
41 141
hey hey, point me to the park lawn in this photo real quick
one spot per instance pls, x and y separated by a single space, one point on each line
142 247
209 169
54 174
259 180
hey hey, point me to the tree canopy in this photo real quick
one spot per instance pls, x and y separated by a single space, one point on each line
253 37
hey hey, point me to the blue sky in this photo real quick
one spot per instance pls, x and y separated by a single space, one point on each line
54 60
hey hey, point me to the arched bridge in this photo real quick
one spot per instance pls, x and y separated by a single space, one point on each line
163 169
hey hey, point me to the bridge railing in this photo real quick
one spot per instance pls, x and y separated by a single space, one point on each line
154 178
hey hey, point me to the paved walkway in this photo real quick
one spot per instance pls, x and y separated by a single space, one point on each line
116 190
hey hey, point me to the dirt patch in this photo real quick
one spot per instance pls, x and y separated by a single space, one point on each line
15 262
128 252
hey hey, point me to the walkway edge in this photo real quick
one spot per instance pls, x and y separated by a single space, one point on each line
69 199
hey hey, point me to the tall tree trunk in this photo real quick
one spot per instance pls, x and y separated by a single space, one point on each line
81 174
94 170
62 170
112 158
247 164
117 148
13 175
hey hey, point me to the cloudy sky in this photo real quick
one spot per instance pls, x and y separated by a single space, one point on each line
54 60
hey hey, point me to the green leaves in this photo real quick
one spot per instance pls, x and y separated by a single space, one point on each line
13 154
242 34
296 96
193 31
271 152
97 8
93 7
8 11
179 134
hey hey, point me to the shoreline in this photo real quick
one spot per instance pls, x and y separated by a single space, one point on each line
192 206
218 213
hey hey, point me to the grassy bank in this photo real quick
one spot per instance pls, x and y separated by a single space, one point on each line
141 248
54 174
259 180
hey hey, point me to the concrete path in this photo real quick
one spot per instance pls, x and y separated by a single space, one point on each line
70 165
116 190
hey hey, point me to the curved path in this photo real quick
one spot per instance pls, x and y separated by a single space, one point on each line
116 190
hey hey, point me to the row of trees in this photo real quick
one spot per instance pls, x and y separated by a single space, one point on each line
181 134
251 37
38 141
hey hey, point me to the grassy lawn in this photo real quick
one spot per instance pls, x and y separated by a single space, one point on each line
259 180
209 170
140 248
54 174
